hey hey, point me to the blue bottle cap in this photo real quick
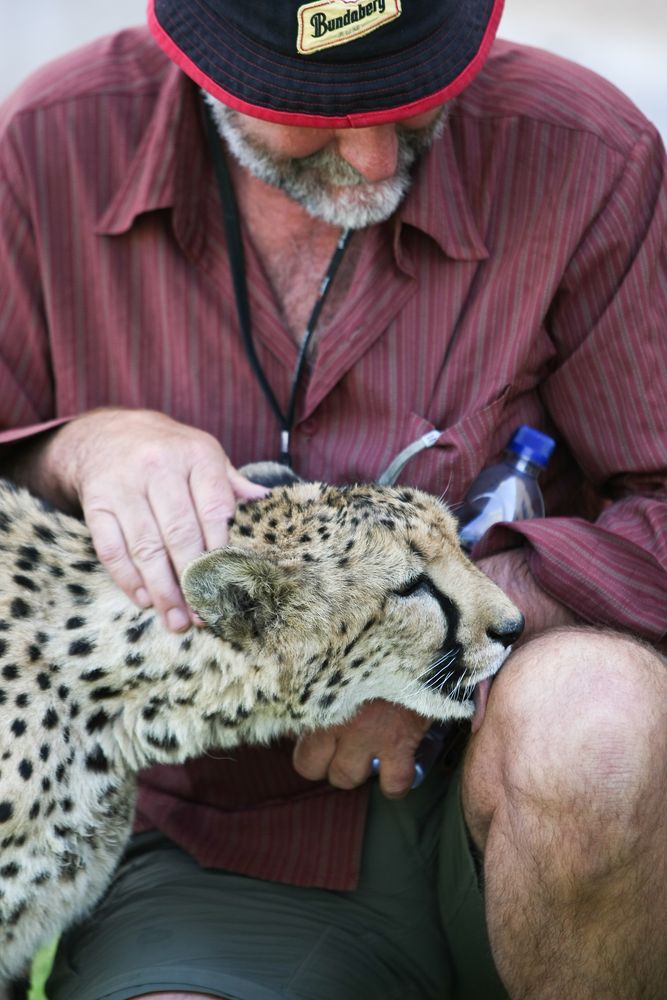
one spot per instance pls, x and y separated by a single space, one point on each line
532 445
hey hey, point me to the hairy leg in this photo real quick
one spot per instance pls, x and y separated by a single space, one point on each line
565 793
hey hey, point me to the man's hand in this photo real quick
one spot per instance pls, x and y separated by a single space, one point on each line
344 753
155 494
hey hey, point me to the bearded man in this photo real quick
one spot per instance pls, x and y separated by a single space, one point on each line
490 224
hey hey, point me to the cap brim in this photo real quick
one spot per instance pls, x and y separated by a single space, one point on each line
293 90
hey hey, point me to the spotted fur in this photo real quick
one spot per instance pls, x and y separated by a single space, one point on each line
324 598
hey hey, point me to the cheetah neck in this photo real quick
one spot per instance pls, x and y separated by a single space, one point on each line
151 696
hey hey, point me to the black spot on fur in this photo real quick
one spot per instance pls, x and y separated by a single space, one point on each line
43 680
96 674
81 647
26 582
75 622
22 700
44 751
18 727
6 811
135 632
97 721
168 742
86 566
44 533
29 553
16 914
25 769
326 700
97 761
34 652
134 660
20 608
105 692
10 871
50 720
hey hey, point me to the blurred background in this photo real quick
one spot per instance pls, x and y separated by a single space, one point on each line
626 42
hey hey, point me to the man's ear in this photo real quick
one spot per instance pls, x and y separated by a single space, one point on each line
239 594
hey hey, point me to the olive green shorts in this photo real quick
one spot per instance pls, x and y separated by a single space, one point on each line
413 930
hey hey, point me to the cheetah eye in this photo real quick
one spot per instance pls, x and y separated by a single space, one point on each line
419 585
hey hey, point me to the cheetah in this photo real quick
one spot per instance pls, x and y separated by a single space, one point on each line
324 598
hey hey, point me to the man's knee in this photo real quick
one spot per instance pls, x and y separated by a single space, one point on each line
576 722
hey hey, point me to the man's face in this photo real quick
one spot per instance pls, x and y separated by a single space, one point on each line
351 177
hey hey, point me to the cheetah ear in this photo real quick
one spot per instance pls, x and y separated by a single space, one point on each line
239 594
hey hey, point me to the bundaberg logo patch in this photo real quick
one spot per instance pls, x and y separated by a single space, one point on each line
325 23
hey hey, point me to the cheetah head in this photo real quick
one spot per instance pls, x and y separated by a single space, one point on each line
355 593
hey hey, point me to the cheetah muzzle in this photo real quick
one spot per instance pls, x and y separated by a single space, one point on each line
325 598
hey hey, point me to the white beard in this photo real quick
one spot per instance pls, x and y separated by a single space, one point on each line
325 184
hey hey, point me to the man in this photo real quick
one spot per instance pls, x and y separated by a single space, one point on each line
495 221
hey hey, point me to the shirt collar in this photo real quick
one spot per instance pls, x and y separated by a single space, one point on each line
438 205
170 165
168 169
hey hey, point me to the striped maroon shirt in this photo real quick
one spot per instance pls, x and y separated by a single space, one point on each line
522 281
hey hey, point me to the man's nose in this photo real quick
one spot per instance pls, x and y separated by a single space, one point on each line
372 151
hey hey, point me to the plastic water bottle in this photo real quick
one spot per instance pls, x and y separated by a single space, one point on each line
508 491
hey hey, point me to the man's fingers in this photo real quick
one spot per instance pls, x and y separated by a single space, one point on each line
244 488
215 492
313 754
349 768
344 753
397 774
141 561
111 549
176 518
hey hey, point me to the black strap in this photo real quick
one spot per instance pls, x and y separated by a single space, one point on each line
232 227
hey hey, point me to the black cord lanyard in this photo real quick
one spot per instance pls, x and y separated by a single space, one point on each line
232 226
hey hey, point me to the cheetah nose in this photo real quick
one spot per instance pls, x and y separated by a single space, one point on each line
507 631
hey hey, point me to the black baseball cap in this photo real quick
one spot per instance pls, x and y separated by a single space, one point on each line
328 63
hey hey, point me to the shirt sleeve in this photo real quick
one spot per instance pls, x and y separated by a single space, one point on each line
608 398
26 378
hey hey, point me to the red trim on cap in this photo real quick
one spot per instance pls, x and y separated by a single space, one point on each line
361 119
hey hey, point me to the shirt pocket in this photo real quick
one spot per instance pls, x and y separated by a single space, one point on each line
448 467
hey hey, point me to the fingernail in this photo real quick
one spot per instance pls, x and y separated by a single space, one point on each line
177 619
142 598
